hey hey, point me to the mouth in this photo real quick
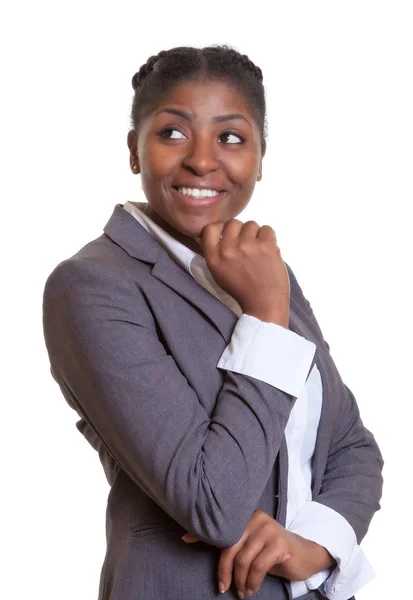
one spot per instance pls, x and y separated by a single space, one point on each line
198 197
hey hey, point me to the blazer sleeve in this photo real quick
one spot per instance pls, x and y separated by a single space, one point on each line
352 482
207 473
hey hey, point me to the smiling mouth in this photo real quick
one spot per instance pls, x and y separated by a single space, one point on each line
198 193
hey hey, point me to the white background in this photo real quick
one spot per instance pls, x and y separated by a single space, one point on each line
337 188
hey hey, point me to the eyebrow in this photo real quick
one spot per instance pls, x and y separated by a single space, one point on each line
188 116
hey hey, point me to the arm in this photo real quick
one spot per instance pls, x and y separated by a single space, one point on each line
111 366
329 530
341 511
352 483
319 538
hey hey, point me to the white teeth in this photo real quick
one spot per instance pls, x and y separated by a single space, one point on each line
197 193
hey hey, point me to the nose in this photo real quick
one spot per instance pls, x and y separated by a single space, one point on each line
201 157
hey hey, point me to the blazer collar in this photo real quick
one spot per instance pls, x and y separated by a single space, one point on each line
123 229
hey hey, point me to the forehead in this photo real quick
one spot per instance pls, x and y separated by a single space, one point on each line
205 98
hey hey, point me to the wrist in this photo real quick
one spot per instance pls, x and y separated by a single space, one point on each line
278 317
317 557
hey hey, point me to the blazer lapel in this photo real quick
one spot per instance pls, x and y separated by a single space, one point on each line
128 233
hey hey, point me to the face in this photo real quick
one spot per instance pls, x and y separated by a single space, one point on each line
200 136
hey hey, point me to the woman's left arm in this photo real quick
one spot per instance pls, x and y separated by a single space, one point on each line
352 482
342 508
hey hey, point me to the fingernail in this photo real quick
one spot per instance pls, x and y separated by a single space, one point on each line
241 595
221 587
249 593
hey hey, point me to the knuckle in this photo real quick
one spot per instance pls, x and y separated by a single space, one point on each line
227 253
268 528
261 516
268 228
244 246
257 566
240 560
212 227
233 222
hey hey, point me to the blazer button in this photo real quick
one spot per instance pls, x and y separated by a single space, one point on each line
275 495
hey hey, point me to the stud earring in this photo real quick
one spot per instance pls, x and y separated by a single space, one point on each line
134 167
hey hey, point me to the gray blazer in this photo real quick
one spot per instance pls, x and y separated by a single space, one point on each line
133 342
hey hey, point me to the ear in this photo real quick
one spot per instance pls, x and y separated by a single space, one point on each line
263 150
132 141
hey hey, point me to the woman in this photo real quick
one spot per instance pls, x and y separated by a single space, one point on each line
199 371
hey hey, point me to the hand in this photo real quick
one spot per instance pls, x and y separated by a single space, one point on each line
247 264
267 547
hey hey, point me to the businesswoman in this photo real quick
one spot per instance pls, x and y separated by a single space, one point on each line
237 459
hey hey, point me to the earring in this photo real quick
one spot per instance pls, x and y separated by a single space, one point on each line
134 167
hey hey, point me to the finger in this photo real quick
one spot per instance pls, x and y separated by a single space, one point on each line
210 235
267 233
189 538
270 555
226 563
227 233
244 559
231 231
249 230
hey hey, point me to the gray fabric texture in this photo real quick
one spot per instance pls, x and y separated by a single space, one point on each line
133 342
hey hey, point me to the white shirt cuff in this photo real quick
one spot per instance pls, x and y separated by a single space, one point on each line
329 529
270 353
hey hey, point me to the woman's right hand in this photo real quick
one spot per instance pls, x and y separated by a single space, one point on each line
246 263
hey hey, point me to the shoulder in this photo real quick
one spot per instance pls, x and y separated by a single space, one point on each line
96 260
100 261
85 294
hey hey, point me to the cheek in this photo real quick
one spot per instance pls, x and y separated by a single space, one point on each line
243 170
156 161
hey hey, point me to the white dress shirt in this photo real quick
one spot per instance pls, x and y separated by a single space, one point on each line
282 358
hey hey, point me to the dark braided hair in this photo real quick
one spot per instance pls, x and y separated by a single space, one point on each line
184 63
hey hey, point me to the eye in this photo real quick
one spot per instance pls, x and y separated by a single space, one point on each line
165 133
234 136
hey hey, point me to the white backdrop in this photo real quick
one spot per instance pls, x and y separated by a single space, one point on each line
337 182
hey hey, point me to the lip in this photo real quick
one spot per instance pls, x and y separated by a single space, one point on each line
201 202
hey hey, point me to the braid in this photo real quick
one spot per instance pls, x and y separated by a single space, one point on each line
242 59
147 68
170 67
249 65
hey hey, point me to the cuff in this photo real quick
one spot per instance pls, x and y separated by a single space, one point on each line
329 529
270 353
